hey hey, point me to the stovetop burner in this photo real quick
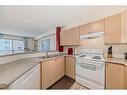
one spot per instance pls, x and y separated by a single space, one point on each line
96 57
91 54
82 56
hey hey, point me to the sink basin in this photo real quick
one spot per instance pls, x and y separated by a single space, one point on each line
50 56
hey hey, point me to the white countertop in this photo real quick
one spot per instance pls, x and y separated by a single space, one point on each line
10 72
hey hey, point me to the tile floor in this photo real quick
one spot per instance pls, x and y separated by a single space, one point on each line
77 86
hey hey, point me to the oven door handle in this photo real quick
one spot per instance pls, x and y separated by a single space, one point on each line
91 62
93 66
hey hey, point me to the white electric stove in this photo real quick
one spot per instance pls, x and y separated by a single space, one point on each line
90 69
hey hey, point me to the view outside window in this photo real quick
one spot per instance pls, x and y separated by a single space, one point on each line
46 45
18 46
5 46
8 46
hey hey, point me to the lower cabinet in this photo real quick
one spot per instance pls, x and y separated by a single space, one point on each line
52 70
114 76
70 67
125 77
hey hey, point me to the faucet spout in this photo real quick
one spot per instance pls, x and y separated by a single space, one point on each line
46 54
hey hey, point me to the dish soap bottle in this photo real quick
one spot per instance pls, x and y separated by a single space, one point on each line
110 52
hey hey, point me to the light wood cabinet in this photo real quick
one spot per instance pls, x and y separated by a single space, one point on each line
52 70
84 29
113 29
124 27
70 37
48 73
60 68
62 38
114 76
97 26
70 67
125 77
75 36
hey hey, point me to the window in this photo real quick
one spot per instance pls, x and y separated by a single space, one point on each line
18 46
8 46
5 45
46 45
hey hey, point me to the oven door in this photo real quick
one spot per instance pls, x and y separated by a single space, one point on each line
91 70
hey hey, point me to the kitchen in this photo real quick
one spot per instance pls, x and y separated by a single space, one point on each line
85 51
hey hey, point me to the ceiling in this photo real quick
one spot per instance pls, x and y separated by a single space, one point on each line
31 21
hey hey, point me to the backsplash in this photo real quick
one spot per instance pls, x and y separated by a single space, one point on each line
118 50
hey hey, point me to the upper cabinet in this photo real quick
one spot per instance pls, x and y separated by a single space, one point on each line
62 38
97 26
113 29
70 37
124 27
84 29
75 36
116 28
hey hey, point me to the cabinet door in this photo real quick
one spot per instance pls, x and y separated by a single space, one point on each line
97 26
75 36
124 27
62 38
48 73
125 77
114 76
69 37
70 67
60 68
84 29
113 29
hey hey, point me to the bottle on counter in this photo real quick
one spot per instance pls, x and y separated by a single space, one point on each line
110 52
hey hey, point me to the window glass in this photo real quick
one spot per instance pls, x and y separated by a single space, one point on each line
9 46
5 46
18 46
46 45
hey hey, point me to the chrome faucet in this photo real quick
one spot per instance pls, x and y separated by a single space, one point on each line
46 54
